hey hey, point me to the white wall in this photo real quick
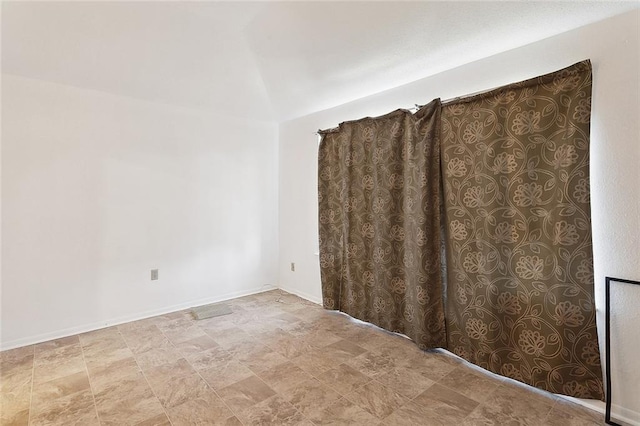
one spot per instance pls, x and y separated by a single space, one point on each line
613 47
98 189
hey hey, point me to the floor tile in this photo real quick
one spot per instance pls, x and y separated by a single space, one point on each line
385 341
99 335
287 317
218 326
159 420
166 372
209 358
262 359
315 362
377 399
343 413
432 365
245 393
368 337
130 401
512 404
75 409
108 355
157 356
44 393
321 338
274 410
16 401
412 414
12 364
183 334
344 379
103 376
228 337
100 348
144 327
343 350
15 381
206 410
17 354
225 374
57 369
284 377
142 343
444 404
568 414
405 381
56 344
471 383
311 396
178 323
196 345
178 390
56 355
12 418
291 346
371 364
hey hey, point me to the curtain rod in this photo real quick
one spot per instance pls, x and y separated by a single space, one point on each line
443 103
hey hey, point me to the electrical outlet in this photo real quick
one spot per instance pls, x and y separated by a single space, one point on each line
154 274
293 267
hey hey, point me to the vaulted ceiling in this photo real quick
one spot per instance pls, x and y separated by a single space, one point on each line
269 60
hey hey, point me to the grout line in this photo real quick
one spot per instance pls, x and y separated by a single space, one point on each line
214 390
33 377
144 375
555 402
199 375
86 369
256 375
278 393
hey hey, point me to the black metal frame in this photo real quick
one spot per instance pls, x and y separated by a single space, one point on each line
607 416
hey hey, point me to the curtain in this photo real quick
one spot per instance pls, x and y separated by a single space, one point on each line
379 222
515 164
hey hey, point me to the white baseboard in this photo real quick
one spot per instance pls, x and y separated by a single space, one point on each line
304 295
11 344
618 413
591 404
624 416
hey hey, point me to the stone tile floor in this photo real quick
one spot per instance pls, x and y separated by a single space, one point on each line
283 363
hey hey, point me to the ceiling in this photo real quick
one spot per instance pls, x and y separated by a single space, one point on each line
269 60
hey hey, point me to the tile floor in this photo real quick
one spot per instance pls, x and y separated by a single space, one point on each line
283 363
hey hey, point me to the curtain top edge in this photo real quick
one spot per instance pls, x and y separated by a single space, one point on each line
582 66
398 111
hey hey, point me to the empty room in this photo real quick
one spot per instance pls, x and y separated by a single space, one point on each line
320 213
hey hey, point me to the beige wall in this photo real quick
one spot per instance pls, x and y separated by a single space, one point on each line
613 47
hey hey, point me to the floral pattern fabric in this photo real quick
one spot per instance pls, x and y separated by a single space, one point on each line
379 217
520 300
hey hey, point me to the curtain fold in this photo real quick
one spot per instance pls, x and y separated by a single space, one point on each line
520 299
379 222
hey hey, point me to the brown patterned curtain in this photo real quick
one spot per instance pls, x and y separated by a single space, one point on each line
379 211
520 300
